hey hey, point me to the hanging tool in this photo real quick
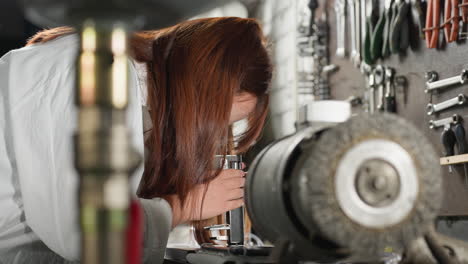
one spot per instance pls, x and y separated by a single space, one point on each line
370 17
340 13
355 22
385 20
433 84
459 132
433 124
417 15
434 108
371 8
464 10
432 23
353 29
436 23
379 75
377 41
448 140
399 29
370 81
390 100
429 21
452 20
358 39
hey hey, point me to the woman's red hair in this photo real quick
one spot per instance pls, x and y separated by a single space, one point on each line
195 69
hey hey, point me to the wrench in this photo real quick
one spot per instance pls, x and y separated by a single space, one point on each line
434 108
340 11
358 17
435 85
445 122
352 22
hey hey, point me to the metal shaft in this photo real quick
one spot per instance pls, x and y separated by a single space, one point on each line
353 29
340 11
358 18
104 156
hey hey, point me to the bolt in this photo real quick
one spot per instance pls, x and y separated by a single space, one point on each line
431 76
379 183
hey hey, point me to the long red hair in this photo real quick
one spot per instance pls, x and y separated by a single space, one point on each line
195 68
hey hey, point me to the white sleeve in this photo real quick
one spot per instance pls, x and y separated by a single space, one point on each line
44 121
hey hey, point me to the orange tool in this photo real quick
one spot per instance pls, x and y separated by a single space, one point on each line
435 23
452 19
428 29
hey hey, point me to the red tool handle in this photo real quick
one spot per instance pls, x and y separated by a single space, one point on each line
455 20
448 21
135 233
435 23
428 31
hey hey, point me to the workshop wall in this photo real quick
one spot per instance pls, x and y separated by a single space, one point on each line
448 60
14 28
279 24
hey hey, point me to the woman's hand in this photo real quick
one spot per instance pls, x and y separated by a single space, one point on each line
223 193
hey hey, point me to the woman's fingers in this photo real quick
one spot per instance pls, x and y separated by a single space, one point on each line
231 173
235 194
234 183
231 205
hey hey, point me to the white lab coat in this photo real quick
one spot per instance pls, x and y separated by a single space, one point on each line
38 182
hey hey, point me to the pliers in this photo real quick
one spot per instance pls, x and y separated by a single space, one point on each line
379 43
452 20
432 23
399 28
371 38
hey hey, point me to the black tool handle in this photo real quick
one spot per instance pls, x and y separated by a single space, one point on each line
378 38
459 131
405 34
368 42
399 28
386 32
448 141
390 104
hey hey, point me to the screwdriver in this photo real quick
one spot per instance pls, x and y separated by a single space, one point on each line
448 141
461 146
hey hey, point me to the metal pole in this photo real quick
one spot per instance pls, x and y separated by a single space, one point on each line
104 155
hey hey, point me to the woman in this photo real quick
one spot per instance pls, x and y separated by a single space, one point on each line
200 76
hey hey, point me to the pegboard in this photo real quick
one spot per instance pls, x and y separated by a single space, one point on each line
448 60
